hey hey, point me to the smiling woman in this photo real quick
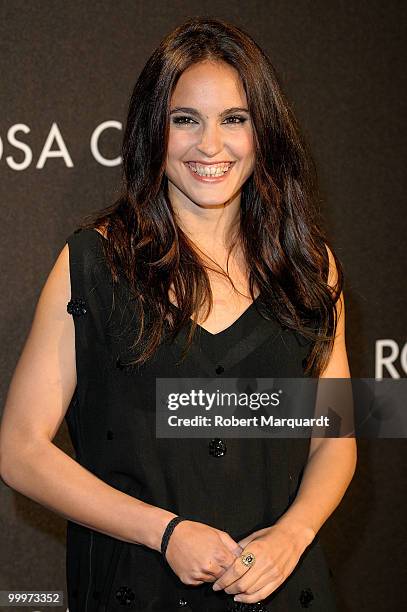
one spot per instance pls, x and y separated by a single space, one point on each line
209 143
211 263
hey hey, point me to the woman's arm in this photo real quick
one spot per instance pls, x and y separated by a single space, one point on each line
39 395
327 475
331 461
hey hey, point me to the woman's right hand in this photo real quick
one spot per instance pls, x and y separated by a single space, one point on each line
199 553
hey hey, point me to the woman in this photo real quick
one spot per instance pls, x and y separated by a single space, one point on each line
210 263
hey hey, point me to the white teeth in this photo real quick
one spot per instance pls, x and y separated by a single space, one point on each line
213 170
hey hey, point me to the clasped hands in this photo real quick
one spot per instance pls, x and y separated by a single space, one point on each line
199 553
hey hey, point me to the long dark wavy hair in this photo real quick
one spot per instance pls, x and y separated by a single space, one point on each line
280 231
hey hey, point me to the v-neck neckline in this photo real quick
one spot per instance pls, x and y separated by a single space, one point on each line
229 328
217 353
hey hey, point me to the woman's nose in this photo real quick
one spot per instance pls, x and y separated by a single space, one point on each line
211 141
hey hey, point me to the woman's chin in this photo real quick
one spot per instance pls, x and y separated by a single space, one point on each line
213 200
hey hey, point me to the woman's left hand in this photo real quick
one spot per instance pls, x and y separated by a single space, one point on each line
277 551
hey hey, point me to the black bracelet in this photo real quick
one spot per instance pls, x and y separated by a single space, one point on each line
168 531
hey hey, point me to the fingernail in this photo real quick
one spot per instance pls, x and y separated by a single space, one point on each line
216 587
237 598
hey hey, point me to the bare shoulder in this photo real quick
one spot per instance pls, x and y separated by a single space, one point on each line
56 291
333 272
340 304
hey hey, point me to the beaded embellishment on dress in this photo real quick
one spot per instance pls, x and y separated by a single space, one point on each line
77 307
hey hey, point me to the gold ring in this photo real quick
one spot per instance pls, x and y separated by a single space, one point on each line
248 559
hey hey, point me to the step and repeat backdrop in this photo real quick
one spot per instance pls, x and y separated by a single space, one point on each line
67 69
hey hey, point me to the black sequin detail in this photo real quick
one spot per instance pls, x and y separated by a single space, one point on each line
125 595
182 603
77 307
306 598
217 447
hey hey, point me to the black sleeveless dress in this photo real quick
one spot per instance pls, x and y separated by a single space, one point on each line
111 421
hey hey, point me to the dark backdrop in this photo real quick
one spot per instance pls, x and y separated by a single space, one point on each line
67 69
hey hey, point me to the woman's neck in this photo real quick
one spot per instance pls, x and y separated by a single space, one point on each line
211 227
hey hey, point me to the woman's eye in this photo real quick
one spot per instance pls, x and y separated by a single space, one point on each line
183 120
239 118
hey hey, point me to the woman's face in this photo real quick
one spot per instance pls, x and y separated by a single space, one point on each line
210 150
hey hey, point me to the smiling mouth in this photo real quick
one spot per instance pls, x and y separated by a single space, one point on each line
209 170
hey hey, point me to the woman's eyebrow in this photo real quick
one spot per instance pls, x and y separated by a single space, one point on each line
194 111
